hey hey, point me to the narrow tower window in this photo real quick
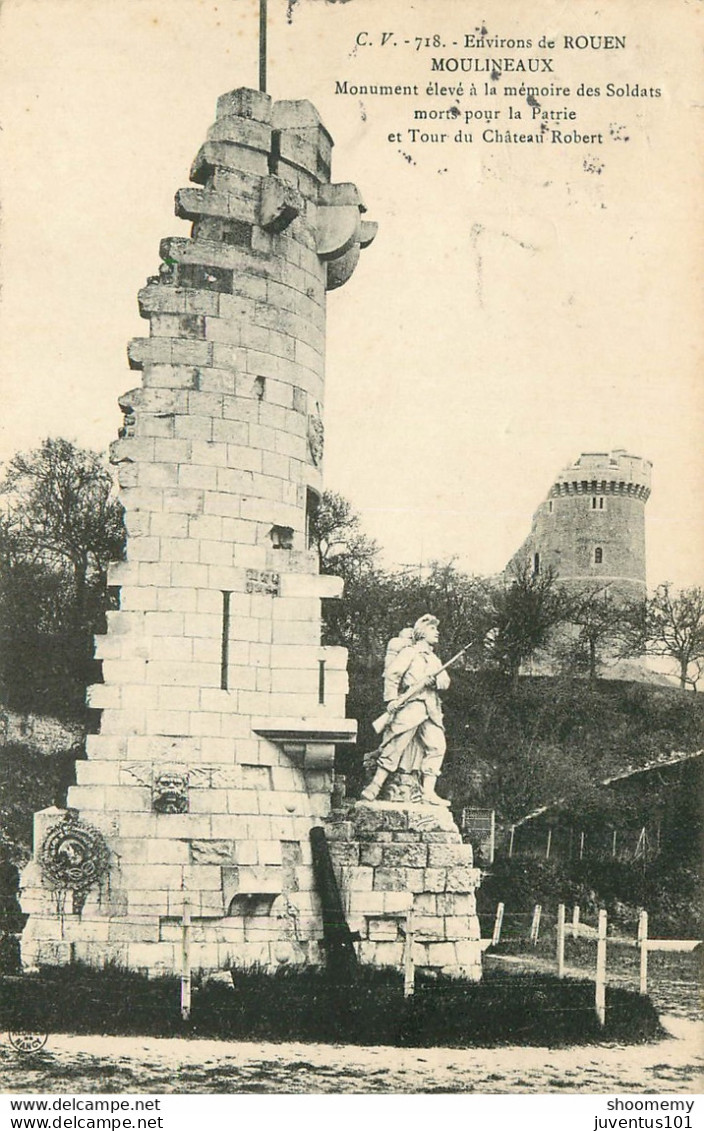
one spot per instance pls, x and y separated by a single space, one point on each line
598 503
536 563
598 556
312 504
225 641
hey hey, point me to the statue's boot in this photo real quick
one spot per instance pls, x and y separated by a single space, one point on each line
430 797
371 791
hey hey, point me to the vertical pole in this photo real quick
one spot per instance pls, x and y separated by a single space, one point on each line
186 960
492 837
613 844
575 921
535 925
409 971
547 846
600 990
510 844
262 45
561 941
581 845
497 924
643 943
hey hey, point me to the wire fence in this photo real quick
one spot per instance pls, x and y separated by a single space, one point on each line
563 941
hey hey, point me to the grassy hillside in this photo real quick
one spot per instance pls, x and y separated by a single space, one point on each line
515 750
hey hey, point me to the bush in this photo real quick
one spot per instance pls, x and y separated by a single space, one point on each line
301 1005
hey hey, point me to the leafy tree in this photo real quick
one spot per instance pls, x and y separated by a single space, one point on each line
673 626
60 525
62 510
343 548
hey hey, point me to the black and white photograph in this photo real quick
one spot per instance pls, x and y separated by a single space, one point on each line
351 558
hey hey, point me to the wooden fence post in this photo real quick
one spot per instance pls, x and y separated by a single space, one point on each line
409 970
186 960
643 943
497 924
535 925
561 940
510 843
575 921
600 989
547 846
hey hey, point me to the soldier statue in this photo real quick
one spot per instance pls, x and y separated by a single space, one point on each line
413 738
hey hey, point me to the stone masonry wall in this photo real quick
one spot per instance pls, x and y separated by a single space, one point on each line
219 709
392 859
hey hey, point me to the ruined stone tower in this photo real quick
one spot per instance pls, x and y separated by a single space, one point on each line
219 709
591 527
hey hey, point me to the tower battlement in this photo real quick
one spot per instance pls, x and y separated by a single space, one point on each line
603 473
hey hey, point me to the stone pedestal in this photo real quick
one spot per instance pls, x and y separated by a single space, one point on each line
391 858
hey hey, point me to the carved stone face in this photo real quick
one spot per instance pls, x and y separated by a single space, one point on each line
170 792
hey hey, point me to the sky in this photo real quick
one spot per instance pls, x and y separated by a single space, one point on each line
521 304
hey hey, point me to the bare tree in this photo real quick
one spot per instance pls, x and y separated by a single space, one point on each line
527 610
600 623
674 627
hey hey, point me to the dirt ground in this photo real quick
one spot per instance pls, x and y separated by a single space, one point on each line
75 1065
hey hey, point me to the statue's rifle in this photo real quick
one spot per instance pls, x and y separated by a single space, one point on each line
384 720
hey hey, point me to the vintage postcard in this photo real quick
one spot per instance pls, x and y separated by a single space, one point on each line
351 544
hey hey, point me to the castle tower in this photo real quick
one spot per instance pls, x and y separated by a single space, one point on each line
219 710
590 529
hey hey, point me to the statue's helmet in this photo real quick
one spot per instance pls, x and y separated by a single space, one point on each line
423 624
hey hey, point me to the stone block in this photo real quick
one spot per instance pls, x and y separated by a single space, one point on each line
382 930
344 852
151 877
426 903
457 903
245 103
415 879
462 879
153 957
396 901
344 830
367 902
404 855
445 836
126 799
183 825
373 817
429 928
202 877
97 773
449 855
441 954
164 851
459 927
358 879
